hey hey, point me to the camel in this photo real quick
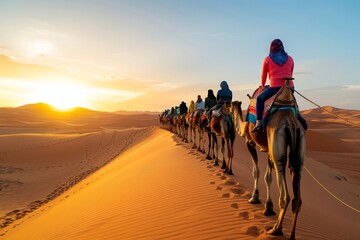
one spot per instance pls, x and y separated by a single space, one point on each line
196 127
192 126
189 122
283 133
212 139
223 126
199 121
183 127
162 121
166 123
252 140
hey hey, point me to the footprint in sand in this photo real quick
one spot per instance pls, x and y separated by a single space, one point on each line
237 191
253 231
230 183
218 188
226 195
212 182
223 177
244 215
234 205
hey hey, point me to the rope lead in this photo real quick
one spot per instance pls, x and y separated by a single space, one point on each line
350 123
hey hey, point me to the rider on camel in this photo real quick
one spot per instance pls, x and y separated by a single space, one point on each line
278 64
223 96
183 108
210 100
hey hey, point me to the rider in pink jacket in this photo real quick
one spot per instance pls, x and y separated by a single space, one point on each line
277 65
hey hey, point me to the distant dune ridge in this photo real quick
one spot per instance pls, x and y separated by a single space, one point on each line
97 175
42 115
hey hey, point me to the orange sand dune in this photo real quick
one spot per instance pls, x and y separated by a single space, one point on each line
43 116
331 117
36 168
100 175
162 189
319 141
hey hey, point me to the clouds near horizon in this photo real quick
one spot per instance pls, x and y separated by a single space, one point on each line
155 54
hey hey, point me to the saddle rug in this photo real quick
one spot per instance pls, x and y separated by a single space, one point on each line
216 113
279 101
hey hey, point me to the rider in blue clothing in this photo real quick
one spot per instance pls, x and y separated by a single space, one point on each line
224 95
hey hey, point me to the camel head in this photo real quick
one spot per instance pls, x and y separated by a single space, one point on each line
236 107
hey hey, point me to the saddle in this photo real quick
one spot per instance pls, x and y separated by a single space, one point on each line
217 114
284 99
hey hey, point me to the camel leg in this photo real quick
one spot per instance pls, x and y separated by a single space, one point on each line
204 141
284 197
296 202
296 159
209 145
217 151
255 172
213 142
194 137
231 153
202 148
223 166
269 207
199 139
185 135
189 133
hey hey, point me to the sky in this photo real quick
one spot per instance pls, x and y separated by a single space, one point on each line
150 55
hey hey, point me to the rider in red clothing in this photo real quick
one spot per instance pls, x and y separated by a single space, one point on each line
277 65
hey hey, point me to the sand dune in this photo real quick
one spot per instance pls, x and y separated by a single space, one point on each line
43 116
144 183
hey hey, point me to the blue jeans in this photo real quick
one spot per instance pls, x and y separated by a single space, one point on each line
260 100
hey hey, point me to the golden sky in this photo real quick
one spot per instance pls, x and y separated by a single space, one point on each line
150 55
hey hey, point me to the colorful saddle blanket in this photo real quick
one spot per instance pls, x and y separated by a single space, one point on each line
216 113
282 100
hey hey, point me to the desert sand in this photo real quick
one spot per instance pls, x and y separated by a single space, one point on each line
102 181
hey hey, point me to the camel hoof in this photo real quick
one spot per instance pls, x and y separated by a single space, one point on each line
230 172
268 212
208 158
216 164
275 232
254 201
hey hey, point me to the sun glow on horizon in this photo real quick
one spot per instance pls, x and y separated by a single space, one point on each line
60 95
38 48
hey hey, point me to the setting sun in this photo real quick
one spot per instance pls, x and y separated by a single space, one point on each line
62 96
39 48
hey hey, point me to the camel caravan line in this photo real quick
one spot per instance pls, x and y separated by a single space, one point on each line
282 138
